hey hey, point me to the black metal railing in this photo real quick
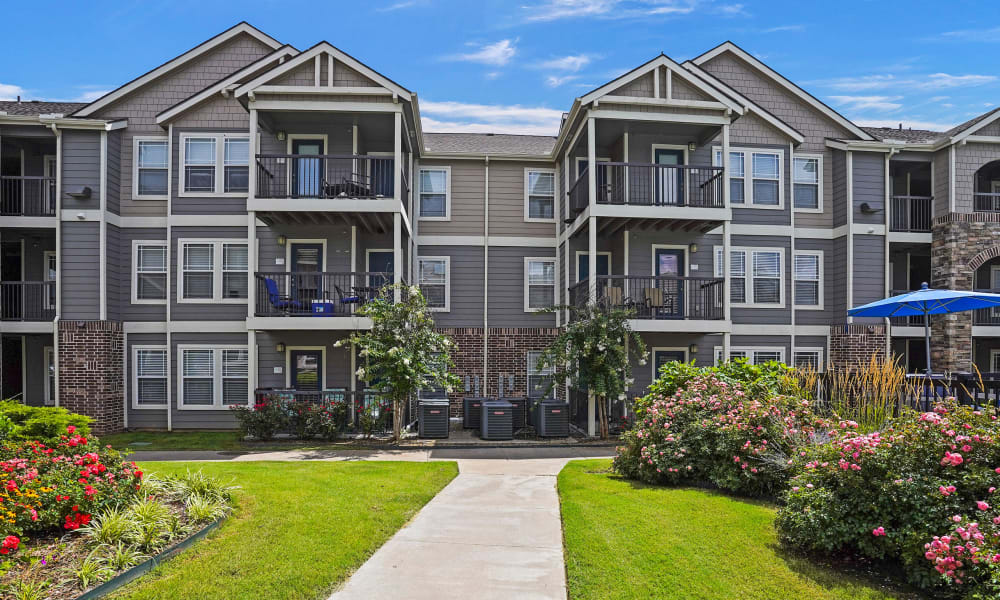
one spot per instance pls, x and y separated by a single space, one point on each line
371 405
657 297
985 202
641 184
27 196
317 294
27 300
987 316
914 321
324 176
911 213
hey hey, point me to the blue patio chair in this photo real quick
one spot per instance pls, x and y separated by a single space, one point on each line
346 298
278 301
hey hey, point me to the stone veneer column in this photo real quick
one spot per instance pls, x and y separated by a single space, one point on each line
851 345
90 372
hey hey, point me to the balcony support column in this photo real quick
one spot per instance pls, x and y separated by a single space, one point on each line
252 263
397 255
252 173
726 243
592 224
592 260
397 158
252 366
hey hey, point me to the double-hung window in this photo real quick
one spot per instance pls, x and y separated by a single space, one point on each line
149 385
737 174
433 274
808 275
213 270
807 185
539 195
539 283
539 379
213 377
215 164
755 276
149 156
762 186
766 277
149 272
737 274
808 358
753 355
435 193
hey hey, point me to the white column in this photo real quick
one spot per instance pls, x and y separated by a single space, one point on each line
251 263
591 414
726 243
397 253
252 179
397 154
850 232
103 229
252 365
592 224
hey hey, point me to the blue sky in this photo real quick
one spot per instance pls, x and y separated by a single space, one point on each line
515 66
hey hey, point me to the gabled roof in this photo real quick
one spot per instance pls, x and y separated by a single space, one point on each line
960 132
909 136
240 28
218 86
339 55
783 82
37 107
488 143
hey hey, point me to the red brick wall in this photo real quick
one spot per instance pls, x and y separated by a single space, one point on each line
90 372
855 344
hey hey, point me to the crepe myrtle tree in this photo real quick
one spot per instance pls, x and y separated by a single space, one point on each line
592 351
402 353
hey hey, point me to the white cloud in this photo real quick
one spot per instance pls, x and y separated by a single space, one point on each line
90 95
489 118
498 54
938 81
868 102
10 91
397 6
573 62
933 81
558 80
858 84
783 28
553 10
970 35
907 123
939 98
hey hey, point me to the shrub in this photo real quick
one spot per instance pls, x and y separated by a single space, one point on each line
43 423
266 418
304 420
886 495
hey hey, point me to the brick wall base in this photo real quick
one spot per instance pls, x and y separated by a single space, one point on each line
507 356
851 345
90 372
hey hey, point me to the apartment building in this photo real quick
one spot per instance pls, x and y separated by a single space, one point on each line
211 227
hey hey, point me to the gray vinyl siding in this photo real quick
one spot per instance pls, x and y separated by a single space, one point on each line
129 311
116 281
200 419
144 418
869 186
641 243
81 167
506 297
839 186
35 368
507 200
747 213
768 316
827 315
466 283
338 360
942 184
822 219
80 270
644 374
468 188
869 271
969 158
207 204
114 165
836 277
208 310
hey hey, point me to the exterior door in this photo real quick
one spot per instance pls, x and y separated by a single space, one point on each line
662 357
307 370
669 269
12 297
668 182
306 280
583 265
602 178
307 173
381 261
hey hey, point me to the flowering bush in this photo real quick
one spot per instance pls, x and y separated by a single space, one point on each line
711 430
59 486
42 423
304 420
920 491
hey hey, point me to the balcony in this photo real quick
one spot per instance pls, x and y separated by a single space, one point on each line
649 185
989 317
326 300
27 300
658 298
27 196
986 202
326 177
911 214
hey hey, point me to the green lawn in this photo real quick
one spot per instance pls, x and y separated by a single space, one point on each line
628 540
209 440
300 528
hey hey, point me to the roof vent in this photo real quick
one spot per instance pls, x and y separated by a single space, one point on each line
490 134
900 126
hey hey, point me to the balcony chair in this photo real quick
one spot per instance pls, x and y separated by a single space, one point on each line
283 303
613 297
346 298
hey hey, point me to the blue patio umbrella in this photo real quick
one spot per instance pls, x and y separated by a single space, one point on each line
926 302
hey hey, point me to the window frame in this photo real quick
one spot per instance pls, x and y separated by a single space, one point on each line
527 194
135 166
748 178
447 281
136 244
447 192
217 255
220 164
749 276
819 295
820 365
819 182
530 371
134 380
217 377
527 285
751 352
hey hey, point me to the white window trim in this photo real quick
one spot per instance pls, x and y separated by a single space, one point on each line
46 256
576 266
820 365
555 283
528 372
748 275
820 297
135 166
218 244
288 364
993 358
748 202
555 194
749 350
447 281
655 349
819 189
368 257
135 271
447 192
48 353
220 166
216 375
288 251
135 376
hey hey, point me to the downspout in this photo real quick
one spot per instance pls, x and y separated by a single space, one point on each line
486 274
888 220
103 230
55 320
170 297
850 232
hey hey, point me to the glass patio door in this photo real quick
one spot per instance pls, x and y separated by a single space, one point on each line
307 173
668 302
668 182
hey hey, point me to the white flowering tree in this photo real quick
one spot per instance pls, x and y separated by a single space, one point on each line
402 353
593 352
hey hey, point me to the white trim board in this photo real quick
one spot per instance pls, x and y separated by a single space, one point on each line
288 363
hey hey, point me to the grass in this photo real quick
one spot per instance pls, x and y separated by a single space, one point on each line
210 440
300 528
628 540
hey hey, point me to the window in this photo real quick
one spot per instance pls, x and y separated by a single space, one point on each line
808 291
766 277
737 182
755 356
149 272
150 168
213 271
149 385
434 280
435 193
766 179
213 377
217 164
737 274
539 379
539 283
808 358
539 195
806 183
763 186
763 285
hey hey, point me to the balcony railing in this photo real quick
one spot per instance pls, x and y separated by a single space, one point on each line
984 202
914 321
987 316
317 294
377 404
325 176
27 196
641 184
911 214
657 297
27 300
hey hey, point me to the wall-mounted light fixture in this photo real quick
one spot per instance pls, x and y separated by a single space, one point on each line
280 135
279 348
282 240
692 349
692 146
693 248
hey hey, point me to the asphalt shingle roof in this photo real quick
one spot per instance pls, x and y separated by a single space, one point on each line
912 136
489 143
960 128
37 107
